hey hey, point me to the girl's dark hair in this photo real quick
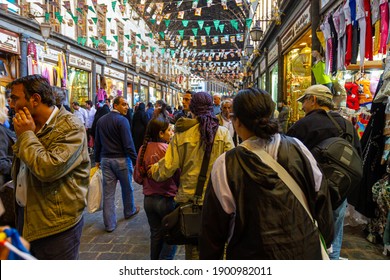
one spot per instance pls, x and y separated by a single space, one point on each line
153 129
254 108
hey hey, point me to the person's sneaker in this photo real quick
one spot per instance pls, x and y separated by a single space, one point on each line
135 213
110 229
343 259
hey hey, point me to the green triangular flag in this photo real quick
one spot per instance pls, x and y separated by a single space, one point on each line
113 3
79 10
216 24
132 46
167 22
83 41
75 19
47 17
143 47
104 38
185 23
79 39
126 19
94 41
162 34
234 23
58 16
109 19
94 19
172 53
181 33
115 37
221 27
138 35
153 21
124 2
162 51
150 35
207 28
152 49
195 31
127 36
200 23
69 12
108 42
91 9
248 22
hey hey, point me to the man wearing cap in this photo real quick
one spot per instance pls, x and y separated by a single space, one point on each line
315 127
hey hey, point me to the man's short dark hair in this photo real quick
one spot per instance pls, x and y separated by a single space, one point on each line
150 104
35 84
75 103
117 100
89 102
189 92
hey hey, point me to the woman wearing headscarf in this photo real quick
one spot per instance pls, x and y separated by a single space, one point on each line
251 211
138 127
193 137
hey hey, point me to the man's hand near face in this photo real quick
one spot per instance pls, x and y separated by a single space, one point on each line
23 121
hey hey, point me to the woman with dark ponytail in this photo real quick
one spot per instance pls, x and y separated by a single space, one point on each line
159 196
247 208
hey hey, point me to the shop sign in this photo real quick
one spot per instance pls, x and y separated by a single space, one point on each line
51 55
287 38
144 82
273 54
9 41
152 85
79 62
262 66
114 73
303 21
98 69
130 78
158 87
136 79
257 72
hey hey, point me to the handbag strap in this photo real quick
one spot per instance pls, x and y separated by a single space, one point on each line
282 173
202 176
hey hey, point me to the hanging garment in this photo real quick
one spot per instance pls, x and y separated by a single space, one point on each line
342 40
368 37
352 95
355 31
384 13
334 38
348 33
365 95
375 20
325 27
318 70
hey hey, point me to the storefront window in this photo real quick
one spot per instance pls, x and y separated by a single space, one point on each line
114 88
143 93
130 94
78 85
152 95
274 82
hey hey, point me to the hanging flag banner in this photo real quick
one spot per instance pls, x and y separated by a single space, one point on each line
195 4
207 28
159 7
234 24
138 35
178 38
153 21
159 19
167 22
127 36
152 49
181 32
221 27
248 22
179 3
180 15
195 31
239 3
209 3
185 43
116 38
162 34
203 40
122 8
163 51
214 40
192 38
167 16
216 24
240 38
172 44
223 40
198 12
200 23
185 23
113 3
232 39
172 53
194 43
91 9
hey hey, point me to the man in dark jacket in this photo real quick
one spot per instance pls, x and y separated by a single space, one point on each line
115 154
315 127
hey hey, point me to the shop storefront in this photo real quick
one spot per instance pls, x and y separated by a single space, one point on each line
136 92
130 82
273 74
79 79
153 97
144 90
114 82
297 61
262 77
9 53
159 92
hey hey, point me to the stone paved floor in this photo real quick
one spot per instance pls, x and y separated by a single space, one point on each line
130 240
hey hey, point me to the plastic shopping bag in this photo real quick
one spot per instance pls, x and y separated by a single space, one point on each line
95 192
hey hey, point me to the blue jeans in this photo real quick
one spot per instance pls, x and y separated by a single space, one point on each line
115 169
338 219
61 246
156 207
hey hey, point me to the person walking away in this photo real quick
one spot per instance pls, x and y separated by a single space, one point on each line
116 156
315 127
284 116
237 205
50 172
80 112
159 197
91 111
138 128
193 137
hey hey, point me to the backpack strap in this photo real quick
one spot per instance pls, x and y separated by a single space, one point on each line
348 134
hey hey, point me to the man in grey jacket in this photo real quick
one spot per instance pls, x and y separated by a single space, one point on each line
50 170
